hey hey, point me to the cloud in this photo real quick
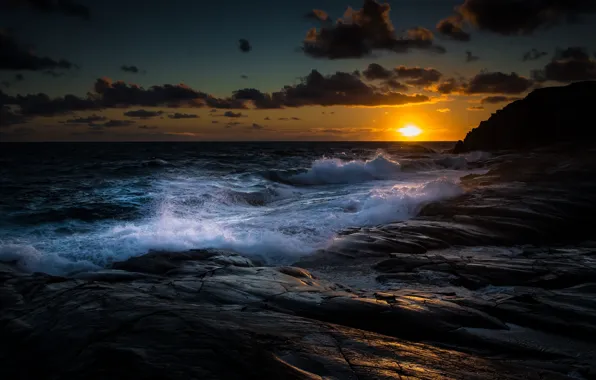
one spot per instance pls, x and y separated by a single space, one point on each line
568 65
319 15
375 71
17 132
131 69
418 76
471 57
260 99
143 114
15 57
331 131
8 117
476 108
183 116
518 17
114 94
147 127
393 85
452 27
65 7
86 120
244 45
233 114
257 126
214 122
113 124
498 83
93 132
295 118
267 118
533 55
360 32
443 110
244 76
498 99
43 105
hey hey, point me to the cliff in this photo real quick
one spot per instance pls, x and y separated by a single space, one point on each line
546 116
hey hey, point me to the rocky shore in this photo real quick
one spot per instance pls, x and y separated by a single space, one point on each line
496 284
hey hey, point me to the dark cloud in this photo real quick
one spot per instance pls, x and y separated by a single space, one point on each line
8 117
361 32
131 69
15 57
244 45
393 85
147 127
319 15
375 71
452 27
43 105
498 83
533 55
568 65
344 89
257 126
471 57
86 120
214 122
498 99
267 118
244 76
66 7
476 108
143 114
332 131
19 77
183 116
449 86
283 119
6 83
113 124
114 94
259 99
93 132
233 114
515 17
295 118
418 76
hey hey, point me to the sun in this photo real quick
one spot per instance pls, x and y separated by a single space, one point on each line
410 131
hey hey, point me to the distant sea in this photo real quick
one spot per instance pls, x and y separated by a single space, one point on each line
67 207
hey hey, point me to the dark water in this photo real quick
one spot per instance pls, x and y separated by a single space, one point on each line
72 206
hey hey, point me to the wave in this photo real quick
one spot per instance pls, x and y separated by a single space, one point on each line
336 171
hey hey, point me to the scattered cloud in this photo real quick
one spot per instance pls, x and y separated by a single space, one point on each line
65 7
568 65
113 124
498 83
319 15
143 114
183 116
233 114
86 120
533 55
360 32
257 126
8 117
518 17
214 122
375 71
295 118
418 76
452 27
498 99
476 108
244 76
16 57
444 110
471 57
147 127
131 69
244 45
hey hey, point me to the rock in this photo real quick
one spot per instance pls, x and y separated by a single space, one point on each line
547 116
192 315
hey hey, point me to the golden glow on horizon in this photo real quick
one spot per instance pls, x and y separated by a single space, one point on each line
410 131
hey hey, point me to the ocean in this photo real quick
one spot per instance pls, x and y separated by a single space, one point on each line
68 207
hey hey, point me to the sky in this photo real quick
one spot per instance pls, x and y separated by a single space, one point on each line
350 70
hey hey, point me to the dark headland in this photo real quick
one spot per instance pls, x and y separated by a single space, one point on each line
499 283
546 116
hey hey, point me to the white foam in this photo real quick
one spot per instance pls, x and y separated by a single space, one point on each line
334 171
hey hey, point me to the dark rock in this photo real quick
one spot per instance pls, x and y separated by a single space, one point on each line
547 116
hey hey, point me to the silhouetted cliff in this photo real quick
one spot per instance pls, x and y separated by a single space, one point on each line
546 116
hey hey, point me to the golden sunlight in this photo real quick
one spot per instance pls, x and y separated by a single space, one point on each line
410 131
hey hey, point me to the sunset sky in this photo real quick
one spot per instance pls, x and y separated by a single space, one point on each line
295 70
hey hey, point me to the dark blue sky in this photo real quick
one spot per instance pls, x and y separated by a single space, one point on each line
195 43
